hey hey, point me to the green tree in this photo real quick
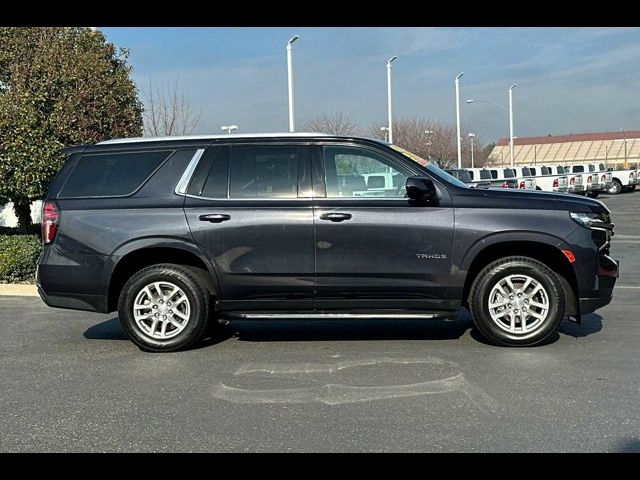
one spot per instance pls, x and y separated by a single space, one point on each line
59 86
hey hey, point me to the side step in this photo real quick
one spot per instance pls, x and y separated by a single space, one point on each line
340 316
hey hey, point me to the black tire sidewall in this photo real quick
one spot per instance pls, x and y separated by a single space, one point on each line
194 292
486 281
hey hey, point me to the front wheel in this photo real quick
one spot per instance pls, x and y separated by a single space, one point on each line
164 308
517 301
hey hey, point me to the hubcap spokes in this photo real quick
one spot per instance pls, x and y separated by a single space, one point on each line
518 304
161 310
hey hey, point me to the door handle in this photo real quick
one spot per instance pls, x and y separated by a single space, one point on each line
335 216
215 217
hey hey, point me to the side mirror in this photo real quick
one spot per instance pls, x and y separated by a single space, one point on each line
422 190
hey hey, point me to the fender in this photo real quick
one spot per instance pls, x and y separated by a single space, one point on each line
178 243
508 236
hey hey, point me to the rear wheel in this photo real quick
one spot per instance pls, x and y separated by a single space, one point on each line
593 194
164 308
517 301
616 187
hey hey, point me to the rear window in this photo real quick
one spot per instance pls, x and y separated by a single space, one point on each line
533 171
485 175
526 172
560 170
111 174
578 169
471 174
545 171
509 173
602 168
494 173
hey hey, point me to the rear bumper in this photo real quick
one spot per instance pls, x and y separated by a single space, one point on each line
90 303
576 188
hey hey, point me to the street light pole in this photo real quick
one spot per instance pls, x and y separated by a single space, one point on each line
511 118
386 133
458 119
472 136
389 111
290 81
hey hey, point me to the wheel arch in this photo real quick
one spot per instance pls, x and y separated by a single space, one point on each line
143 253
545 248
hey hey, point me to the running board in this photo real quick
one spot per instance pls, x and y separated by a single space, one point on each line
340 316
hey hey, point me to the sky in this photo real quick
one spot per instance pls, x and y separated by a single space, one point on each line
570 80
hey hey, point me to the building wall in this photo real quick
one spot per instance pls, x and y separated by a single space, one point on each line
611 152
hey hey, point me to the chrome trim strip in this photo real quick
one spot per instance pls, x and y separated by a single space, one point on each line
345 316
181 187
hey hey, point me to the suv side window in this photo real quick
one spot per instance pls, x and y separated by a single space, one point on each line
116 174
264 171
359 172
211 178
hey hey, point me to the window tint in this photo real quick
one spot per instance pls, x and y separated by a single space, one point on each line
509 173
526 172
359 172
546 171
211 178
560 170
471 174
578 169
265 171
111 174
494 173
464 175
485 175
601 167
533 171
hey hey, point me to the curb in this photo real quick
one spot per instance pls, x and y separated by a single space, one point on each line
18 290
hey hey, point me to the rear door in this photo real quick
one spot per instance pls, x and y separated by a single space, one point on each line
373 249
249 208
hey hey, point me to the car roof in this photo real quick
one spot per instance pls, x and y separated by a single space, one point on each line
178 138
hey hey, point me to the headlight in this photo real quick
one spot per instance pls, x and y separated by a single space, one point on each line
592 220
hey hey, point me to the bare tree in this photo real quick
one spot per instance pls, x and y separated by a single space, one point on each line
431 140
168 111
334 124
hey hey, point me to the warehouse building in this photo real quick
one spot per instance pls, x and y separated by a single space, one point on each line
616 149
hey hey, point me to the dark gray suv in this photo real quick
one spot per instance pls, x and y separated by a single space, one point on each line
181 233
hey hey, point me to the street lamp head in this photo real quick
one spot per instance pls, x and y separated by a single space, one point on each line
428 132
470 100
293 39
513 86
384 129
472 135
460 75
391 59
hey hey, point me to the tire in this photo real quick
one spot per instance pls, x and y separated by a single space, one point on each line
517 269
189 318
594 194
615 188
538 188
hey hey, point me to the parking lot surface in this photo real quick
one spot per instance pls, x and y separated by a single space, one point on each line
71 381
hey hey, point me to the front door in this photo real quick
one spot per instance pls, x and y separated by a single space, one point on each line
247 210
374 250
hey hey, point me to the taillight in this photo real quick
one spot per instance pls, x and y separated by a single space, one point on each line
589 179
505 185
521 184
555 182
604 178
49 222
572 181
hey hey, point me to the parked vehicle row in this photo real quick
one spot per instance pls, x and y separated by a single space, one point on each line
582 179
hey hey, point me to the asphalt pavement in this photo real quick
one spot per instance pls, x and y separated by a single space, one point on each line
71 381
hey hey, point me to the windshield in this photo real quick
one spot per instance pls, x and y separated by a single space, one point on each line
435 170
